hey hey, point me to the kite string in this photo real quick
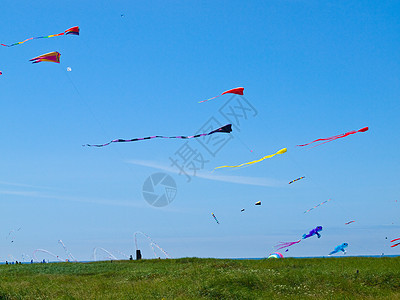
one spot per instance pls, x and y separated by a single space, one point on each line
86 104
99 123
243 143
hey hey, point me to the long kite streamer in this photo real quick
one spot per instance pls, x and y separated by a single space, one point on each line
111 256
296 179
254 161
67 252
45 251
237 91
347 223
317 205
283 245
332 138
73 30
224 129
51 57
151 244
394 245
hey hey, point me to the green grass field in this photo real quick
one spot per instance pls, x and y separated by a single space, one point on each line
195 278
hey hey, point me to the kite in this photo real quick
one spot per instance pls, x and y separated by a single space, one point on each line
51 57
258 203
242 210
69 69
1 73
276 255
151 243
216 220
254 161
312 232
67 252
224 129
394 245
296 179
317 205
12 234
72 31
347 223
332 138
237 91
340 248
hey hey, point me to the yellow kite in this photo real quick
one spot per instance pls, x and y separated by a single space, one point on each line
255 161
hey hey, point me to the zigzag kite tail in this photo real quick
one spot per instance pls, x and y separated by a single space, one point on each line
224 129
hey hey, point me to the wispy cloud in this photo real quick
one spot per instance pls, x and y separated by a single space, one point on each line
94 200
13 189
258 181
24 185
19 193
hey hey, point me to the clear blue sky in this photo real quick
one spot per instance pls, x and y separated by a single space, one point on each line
311 69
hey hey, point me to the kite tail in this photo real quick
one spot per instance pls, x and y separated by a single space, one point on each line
209 99
282 245
337 137
322 143
332 138
321 140
224 129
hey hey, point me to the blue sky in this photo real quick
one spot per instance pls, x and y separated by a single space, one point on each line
310 69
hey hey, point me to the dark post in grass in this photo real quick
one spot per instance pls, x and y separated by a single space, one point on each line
138 255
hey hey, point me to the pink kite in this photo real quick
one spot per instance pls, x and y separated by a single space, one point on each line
237 91
332 138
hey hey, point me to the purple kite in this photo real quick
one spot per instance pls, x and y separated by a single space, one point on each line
312 232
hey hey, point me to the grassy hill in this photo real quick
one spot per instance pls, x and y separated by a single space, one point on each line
194 278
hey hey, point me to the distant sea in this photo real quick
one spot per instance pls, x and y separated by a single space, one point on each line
244 258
